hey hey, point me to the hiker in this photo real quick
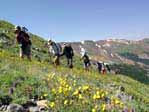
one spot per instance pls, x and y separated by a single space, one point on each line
56 50
103 70
99 66
24 42
86 61
68 52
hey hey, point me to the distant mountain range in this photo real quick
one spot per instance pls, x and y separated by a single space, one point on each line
116 50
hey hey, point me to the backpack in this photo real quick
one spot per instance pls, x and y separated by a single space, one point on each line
56 48
23 38
68 51
86 59
59 47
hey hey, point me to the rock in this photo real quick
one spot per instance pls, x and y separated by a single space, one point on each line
42 103
34 109
15 108
3 108
42 109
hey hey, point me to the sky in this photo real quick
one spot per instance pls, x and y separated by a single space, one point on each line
76 20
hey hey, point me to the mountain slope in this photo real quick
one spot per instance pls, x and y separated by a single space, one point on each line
63 89
59 85
118 51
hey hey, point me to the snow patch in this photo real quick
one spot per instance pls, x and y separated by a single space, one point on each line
98 46
119 41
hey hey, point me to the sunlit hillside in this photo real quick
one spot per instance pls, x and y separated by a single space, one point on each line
38 85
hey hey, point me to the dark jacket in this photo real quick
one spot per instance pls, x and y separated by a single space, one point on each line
23 38
68 52
86 59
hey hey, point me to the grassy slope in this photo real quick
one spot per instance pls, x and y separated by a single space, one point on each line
39 79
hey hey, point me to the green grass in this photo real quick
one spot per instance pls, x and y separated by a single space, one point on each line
57 85
37 79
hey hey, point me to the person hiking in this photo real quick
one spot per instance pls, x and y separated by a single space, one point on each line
56 49
24 42
86 61
68 52
103 69
99 66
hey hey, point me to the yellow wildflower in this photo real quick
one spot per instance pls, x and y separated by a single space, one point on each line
69 88
93 110
52 104
45 95
97 92
65 102
76 92
117 101
70 102
102 95
53 91
60 89
67 85
80 96
79 88
103 107
85 88
96 96
121 105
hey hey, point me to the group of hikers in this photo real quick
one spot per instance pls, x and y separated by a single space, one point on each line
24 41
